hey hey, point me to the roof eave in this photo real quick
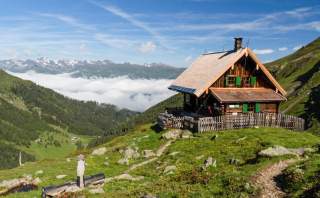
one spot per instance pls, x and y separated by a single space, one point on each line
181 89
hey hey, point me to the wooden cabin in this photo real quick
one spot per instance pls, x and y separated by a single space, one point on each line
229 82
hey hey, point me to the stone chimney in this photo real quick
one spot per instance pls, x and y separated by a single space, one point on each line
237 43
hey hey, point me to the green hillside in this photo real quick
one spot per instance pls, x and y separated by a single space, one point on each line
299 74
151 114
29 111
187 179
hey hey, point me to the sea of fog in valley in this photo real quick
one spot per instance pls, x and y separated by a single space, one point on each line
134 94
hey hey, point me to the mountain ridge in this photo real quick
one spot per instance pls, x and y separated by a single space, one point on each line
95 68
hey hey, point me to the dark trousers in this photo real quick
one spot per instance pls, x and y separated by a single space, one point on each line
78 181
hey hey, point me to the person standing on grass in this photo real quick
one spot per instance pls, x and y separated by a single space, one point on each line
80 171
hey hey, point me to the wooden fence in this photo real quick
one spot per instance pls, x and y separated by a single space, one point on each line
225 122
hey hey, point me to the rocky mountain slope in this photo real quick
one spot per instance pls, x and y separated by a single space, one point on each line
27 111
299 73
88 69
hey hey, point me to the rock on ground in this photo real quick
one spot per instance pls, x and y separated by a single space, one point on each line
148 196
60 176
12 183
8 184
174 153
96 191
280 150
99 151
106 163
169 169
36 181
172 134
72 189
186 134
131 153
126 176
39 172
210 162
123 161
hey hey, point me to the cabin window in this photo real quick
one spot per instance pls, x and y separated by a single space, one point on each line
230 81
251 107
253 81
246 81
234 106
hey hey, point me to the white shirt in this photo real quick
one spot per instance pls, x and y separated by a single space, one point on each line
80 168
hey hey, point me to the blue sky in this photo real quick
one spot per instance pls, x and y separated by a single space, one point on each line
167 31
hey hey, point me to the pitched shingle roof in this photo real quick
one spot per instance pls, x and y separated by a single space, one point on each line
207 68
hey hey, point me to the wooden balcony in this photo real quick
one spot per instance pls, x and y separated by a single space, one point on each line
184 120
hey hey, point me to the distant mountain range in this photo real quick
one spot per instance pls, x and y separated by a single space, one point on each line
89 69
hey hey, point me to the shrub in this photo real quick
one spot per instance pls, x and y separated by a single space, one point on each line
291 179
195 176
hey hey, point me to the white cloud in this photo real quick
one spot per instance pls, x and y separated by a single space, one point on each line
147 47
263 51
128 17
69 20
299 12
296 47
262 22
115 42
138 94
282 49
315 25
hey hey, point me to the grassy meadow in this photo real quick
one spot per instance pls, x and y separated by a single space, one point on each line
188 155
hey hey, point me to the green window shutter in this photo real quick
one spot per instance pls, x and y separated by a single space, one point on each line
238 81
226 83
257 107
244 108
253 81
